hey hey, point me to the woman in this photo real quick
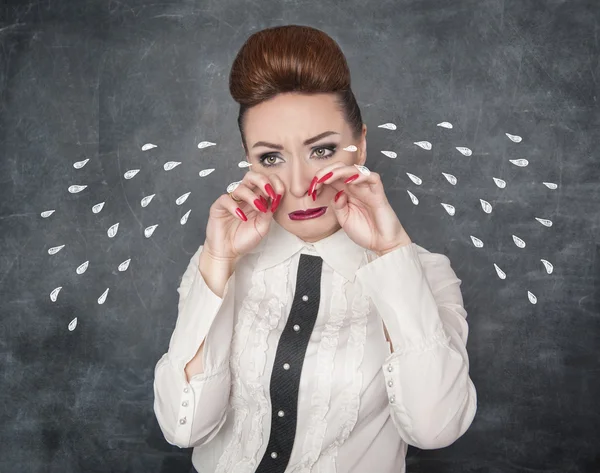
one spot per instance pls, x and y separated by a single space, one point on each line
312 334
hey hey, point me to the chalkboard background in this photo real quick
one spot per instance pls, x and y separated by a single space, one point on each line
98 80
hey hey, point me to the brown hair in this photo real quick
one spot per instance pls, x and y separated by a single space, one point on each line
291 58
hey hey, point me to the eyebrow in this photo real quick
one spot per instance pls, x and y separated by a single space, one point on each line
306 143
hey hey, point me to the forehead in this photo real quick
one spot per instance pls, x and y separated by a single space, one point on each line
293 115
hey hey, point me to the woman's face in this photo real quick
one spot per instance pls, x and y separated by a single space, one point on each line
277 134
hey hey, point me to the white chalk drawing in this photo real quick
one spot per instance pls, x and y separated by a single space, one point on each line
80 164
519 162
520 243
148 146
182 198
544 221
515 138
171 165
423 144
465 151
445 124
486 206
124 265
350 148
501 274
390 154
532 298
244 164
131 173
54 294
148 231
549 267
185 217
499 182
98 207
55 249
450 178
449 208
47 213
205 144
205 172
146 200
76 189
550 185
413 198
233 186
364 170
417 180
112 231
82 268
476 241
388 126
102 298
72 324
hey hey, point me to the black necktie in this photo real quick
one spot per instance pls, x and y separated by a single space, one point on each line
287 367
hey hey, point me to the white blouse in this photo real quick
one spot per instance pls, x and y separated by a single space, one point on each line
359 403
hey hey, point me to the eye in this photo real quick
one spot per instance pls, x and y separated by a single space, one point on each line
319 152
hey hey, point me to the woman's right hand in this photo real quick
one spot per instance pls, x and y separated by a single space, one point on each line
235 228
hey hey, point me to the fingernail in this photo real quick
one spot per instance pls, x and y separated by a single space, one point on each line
325 177
312 184
241 214
314 195
259 205
270 191
264 201
351 178
275 203
337 196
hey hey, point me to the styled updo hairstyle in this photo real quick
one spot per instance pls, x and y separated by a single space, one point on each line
291 58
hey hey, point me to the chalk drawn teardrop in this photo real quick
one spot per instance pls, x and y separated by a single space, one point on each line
548 265
76 189
146 200
131 173
515 138
445 124
171 165
450 178
501 274
233 186
465 151
72 324
102 298
98 207
520 243
544 221
82 268
148 231
184 219
388 126
519 162
148 146
423 144
205 144
417 180
205 172
350 148
531 298
55 249
47 213
499 182
390 154
476 241
244 164
413 198
80 164
449 208
124 265
112 231
181 199
550 185
54 294
486 206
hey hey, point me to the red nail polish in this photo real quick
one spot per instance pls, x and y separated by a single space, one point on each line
241 214
264 201
312 185
325 177
276 203
314 195
351 178
337 196
270 191
260 206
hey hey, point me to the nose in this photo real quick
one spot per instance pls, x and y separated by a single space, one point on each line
301 177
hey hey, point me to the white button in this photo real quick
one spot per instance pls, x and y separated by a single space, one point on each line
186 389
305 298
273 454
392 399
184 403
281 413
390 383
296 328
182 421
286 366
390 368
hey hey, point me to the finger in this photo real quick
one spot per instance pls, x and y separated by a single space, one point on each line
260 181
342 173
251 196
226 203
279 188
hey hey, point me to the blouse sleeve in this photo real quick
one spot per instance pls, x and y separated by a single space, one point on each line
191 414
431 396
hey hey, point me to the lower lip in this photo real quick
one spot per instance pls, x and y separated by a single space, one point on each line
308 215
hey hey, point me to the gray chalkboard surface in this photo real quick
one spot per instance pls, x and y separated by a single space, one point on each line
506 93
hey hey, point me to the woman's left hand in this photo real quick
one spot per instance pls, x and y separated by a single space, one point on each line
362 208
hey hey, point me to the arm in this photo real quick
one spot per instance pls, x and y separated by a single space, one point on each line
192 380
431 396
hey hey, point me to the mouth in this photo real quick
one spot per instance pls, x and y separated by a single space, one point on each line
307 214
